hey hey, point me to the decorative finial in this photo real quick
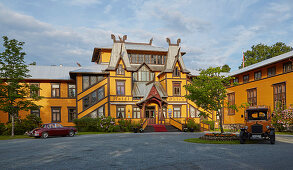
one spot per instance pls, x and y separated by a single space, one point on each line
113 38
178 41
168 41
151 41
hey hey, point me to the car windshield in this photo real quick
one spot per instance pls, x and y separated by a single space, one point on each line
257 115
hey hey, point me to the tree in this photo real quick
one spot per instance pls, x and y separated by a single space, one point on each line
208 91
13 89
226 68
262 52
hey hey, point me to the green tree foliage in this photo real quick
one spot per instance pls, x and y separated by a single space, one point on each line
13 90
208 91
226 68
262 52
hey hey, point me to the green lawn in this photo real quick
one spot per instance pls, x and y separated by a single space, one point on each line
197 140
15 137
284 133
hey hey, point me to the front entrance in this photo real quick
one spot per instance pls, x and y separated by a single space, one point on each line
150 114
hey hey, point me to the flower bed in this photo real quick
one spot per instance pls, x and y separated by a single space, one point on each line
220 137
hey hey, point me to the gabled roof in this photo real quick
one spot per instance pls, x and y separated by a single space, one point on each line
263 63
50 72
142 89
119 52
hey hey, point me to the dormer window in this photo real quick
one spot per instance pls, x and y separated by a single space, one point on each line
176 72
120 70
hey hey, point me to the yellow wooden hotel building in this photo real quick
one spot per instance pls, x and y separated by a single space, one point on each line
265 83
128 80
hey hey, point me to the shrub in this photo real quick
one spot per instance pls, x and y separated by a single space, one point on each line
23 125
191 124
125 125
2 128
86 124
106 124
282 119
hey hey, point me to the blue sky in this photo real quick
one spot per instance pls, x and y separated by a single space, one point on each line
213 32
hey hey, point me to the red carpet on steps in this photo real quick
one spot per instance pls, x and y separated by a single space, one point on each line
160 128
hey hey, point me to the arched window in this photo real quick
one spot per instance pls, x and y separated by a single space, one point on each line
143 74
120 70
176 72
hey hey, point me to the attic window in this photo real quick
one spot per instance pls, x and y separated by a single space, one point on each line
176 72
120 70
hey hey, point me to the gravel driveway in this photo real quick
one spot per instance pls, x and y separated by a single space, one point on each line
142 151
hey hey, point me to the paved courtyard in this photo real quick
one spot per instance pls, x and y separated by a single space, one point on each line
142 151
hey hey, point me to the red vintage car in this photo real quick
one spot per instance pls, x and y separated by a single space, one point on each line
53 129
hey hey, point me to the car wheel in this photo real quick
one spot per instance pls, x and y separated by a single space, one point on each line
272 137
45 135
241 137
71 133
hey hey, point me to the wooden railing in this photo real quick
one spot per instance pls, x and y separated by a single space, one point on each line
176 124
144 124
204 126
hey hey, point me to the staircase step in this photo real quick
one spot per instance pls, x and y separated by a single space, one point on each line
171 128
160 128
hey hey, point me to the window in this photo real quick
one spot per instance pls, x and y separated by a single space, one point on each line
85 82
193 112
36 112
72 114
257 75
120 88
101 111
176 111
120 70
86 102
135 112
252 97
101 93
35 92
143 74
280 95
245 78
71 90
271 71
120 110
147 59
231 101
55 87
56 114
287 67
176 72
93 97
235 80
90 80
160 59
153 59
176 89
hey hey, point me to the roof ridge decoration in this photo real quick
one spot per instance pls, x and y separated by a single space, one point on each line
119 52
173 56
122 40
170 44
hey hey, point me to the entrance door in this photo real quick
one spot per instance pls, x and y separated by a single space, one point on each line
150 114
